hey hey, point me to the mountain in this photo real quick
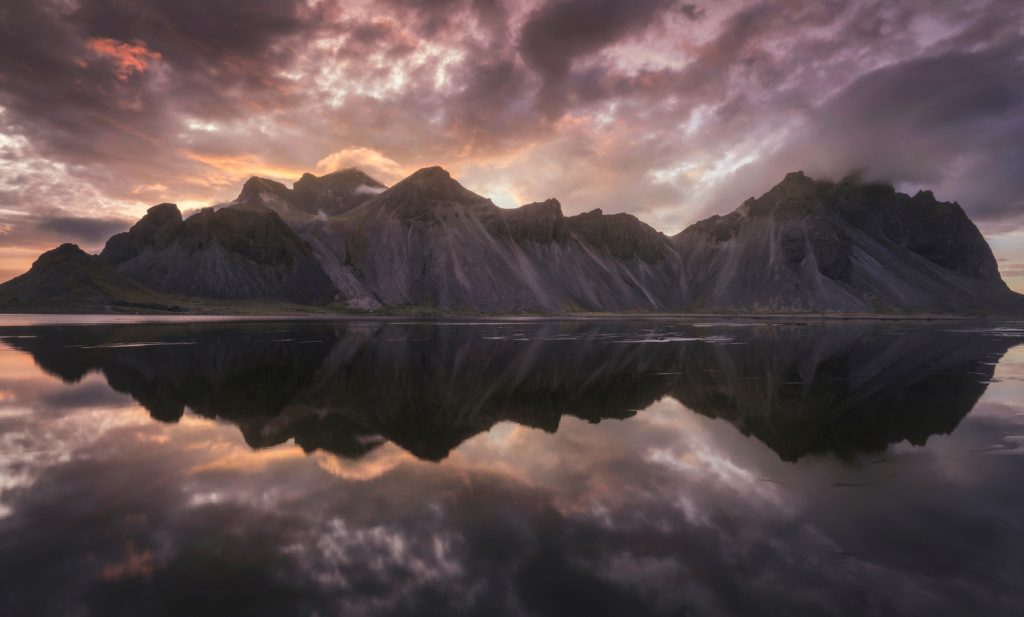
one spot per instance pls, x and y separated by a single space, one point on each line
245 252
809 245
68 279
428 241
344 240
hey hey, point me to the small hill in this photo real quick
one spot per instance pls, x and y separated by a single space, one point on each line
67 279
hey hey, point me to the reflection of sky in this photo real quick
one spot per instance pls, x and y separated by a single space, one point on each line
667 512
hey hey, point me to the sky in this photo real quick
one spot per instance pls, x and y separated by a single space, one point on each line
669 110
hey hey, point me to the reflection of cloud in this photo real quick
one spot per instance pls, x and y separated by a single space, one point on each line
32 442
136 564
376 463
241 459
516 520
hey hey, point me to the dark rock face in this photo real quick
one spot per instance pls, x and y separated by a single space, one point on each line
156 229
428 242
807 245
537 222
938 231
238 253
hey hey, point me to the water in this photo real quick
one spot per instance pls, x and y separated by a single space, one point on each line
526 467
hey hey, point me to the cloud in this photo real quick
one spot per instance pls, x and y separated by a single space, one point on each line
374 163
946 122
130 58
81 229
560 31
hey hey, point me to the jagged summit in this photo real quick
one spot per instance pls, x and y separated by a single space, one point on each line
328 195
338 185
255 189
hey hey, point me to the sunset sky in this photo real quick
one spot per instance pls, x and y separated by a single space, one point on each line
669 110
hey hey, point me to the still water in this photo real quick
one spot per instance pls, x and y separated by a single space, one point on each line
524 468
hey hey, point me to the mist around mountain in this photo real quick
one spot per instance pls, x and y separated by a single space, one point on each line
344 242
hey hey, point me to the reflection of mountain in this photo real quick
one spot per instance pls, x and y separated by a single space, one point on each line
346 387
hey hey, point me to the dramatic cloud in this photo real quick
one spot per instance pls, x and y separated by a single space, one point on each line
671 110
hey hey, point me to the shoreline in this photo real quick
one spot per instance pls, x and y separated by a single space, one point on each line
85 319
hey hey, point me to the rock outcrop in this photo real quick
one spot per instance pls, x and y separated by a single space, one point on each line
238 253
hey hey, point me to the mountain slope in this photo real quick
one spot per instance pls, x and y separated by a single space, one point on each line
807 245
68 279
428 241
234 253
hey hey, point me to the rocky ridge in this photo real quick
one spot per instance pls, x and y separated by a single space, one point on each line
345 241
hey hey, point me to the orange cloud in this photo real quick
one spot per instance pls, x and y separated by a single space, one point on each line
245 164
130 58
136 564
371 161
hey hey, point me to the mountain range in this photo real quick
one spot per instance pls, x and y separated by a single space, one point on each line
346 242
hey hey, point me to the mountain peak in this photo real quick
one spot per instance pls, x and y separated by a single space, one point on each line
348 172
434 171
427 186
347 181
255 187
63 253
164 209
